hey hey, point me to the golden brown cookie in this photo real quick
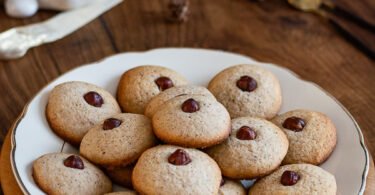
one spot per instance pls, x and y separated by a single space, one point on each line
255 148
119 140
59 173
163 97
296 179
138 85
312 136
74 107
195 121
247 90
176 171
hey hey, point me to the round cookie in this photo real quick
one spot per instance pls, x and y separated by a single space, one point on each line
168 94
312 136
124 192
118 141
138 85
230 187
74 107
121 175
247 90
59 173
195 121
296 179
255 148
167 169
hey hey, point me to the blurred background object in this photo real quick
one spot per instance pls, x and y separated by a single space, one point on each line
27 8
179 10
339 17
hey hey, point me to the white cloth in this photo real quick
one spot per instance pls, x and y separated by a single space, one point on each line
27 8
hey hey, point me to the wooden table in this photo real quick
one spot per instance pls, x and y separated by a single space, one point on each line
268 31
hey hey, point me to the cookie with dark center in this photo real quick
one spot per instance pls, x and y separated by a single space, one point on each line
253 141
312 136
60 173
111 123
296 179
161 98
190 106
247 83
74 162
196 121
94 99
75 107
118 141
246 133
164 83
294 123
289 178
191 170
247 90
139 85
179 157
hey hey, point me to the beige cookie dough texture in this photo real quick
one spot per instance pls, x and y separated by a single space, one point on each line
264 102
119 146
313 180
137 86
170 93
208 126
314 143
124 192
249 159
70 116
53 177
232 188
153 174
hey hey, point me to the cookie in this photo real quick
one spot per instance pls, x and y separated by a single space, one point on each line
195 121
138 85
119 140
59 173
74 107
168 94
296 179
247 90
121 175
173 170
230 187
124 192
312 136
255 148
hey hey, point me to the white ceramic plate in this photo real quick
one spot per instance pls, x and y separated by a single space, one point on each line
32 136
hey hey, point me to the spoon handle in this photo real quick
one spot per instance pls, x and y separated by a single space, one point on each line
15 42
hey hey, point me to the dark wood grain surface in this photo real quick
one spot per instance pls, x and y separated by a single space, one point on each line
269 31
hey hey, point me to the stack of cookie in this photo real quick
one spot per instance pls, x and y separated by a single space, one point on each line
176 138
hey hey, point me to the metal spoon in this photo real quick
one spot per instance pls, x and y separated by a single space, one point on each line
15 42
